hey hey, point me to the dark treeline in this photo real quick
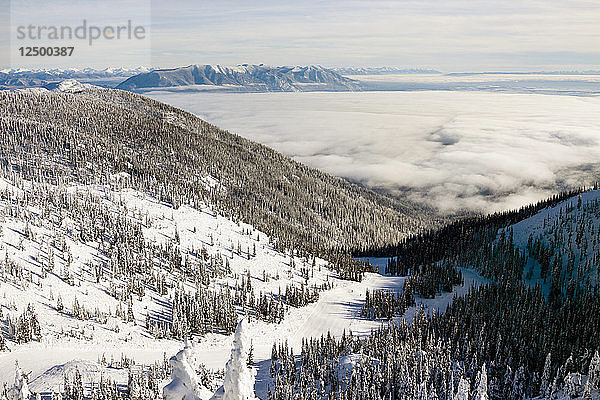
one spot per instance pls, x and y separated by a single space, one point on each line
506 332
430 280
386 304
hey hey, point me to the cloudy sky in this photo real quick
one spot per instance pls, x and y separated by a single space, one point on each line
450 35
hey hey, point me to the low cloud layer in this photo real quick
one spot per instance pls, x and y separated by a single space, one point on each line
456 151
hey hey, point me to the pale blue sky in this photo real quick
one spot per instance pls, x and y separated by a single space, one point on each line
450 35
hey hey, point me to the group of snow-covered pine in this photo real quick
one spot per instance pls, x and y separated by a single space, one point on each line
125 219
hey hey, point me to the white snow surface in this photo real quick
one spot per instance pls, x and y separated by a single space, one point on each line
535 224
68 344
184 381
65 339
53 379
73 86
239 378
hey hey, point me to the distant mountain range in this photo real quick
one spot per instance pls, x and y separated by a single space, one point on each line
28 78
46 73
382 71
586 72
245 77
263 78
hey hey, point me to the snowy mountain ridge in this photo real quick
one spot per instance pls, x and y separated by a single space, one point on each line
69 86
383 70
66 86
243 77
64 72
19 78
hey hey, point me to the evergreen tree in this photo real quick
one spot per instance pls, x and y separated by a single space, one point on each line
239 378
481 391
20 389
546 383
184 381
463 390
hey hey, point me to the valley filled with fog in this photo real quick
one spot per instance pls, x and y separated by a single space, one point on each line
456 150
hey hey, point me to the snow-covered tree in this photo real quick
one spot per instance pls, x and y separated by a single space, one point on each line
184 381
517 389
239 378
462 393
546 383
573 385
481 391
593 382
3 346
20 390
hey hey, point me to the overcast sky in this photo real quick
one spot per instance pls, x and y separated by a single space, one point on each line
449 35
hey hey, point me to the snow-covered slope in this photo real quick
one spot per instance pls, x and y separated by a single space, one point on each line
66 86
96 347
563 240
46 259
69 86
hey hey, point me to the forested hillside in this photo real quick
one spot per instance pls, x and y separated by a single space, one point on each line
128 225
125 222
499 342
554 243
530 333
88 137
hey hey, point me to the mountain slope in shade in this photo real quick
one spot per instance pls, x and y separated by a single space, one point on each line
253 78
561 243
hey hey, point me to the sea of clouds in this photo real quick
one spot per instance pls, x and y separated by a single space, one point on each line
455 150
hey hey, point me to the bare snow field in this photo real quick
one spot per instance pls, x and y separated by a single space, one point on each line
473 150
